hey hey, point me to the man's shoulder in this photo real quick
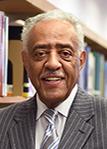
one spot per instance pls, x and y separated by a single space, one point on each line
85 94
98 102
6 116
8 111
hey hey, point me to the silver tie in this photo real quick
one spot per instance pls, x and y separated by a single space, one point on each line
50 139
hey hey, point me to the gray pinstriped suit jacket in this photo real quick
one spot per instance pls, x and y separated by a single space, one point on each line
86 126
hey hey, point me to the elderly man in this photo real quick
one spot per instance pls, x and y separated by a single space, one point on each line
61 115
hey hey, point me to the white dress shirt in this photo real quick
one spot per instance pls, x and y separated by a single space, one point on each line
62 109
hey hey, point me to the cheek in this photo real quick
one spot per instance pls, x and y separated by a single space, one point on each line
34 72
72 71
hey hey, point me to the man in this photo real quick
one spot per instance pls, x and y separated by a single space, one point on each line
53 55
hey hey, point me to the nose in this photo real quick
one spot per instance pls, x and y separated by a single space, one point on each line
53 62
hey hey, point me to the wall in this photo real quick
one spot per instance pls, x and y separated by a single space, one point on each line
93 13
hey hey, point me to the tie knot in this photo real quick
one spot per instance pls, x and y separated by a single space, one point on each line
50 115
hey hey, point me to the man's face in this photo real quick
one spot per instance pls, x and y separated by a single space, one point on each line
53 61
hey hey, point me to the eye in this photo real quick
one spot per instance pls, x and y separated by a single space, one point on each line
39 54
66 54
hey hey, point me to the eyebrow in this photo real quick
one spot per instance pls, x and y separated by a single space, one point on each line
36 46
49 46
64 45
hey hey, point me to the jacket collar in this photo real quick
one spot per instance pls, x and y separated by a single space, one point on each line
77 128
22 129
26 108
83 105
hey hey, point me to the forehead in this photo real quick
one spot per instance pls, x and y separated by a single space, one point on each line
53 28
53 25
52 31
57 22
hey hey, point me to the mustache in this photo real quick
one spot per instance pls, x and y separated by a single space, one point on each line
52 73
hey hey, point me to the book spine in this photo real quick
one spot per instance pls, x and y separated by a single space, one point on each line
3 53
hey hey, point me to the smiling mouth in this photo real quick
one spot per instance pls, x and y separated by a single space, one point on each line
53 79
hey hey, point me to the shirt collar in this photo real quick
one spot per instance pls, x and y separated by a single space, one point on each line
63 108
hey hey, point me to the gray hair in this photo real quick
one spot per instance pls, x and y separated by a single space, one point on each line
54 14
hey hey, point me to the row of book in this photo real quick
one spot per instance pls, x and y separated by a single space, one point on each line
93 77
13 77
17 83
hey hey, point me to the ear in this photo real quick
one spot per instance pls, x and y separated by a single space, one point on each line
83 57
25 58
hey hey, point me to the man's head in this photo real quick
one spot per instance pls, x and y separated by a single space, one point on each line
53 54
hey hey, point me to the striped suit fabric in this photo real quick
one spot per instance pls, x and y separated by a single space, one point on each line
85 128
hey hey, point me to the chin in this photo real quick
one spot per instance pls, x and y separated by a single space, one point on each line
55 98
52 103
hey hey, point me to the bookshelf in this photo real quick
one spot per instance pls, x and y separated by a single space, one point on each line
22 9
95 41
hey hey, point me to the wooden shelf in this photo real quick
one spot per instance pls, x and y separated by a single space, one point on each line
6 101
91 37
25 6
10 100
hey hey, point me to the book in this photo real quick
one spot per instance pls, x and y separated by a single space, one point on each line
10 79
83 80
91 72
102 61
28 88
93 77
97 72
3 53
25 84
105 78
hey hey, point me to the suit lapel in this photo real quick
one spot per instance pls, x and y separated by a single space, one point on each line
22 131
77 128
76 132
